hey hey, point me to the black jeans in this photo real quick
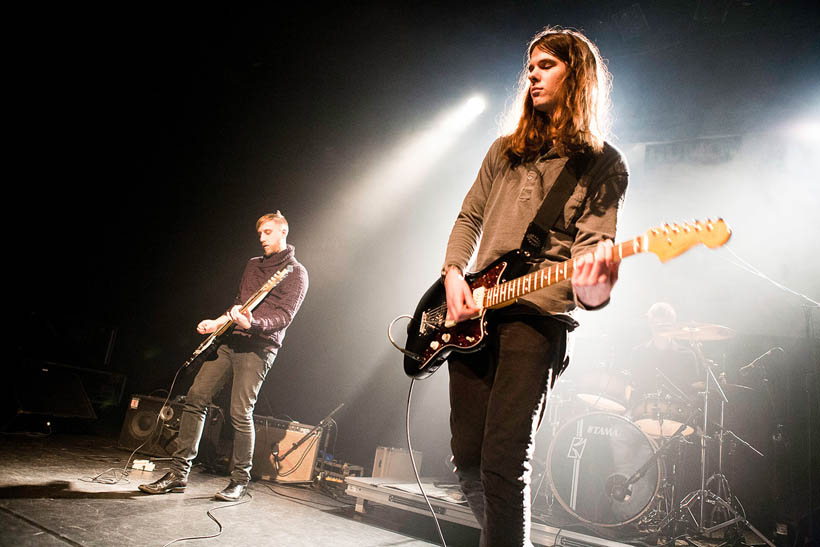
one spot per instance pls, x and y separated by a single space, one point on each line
497 396
248 367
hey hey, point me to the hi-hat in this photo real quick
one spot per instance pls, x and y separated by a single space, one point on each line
693 330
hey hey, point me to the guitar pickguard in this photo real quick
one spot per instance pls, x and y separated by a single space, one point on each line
432 340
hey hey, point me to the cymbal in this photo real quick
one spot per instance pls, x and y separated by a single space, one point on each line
693 330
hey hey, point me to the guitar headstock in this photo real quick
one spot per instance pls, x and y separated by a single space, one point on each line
671 240
276 278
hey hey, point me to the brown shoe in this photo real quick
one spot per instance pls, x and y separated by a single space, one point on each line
170 482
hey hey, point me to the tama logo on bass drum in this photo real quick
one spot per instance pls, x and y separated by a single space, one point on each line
603 431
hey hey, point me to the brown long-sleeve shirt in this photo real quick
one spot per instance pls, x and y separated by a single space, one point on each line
505 198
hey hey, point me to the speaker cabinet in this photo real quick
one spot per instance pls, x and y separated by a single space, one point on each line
141 426
50 390
278 437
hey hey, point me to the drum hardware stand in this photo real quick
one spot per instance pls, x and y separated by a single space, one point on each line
678 435
703 495
722 483
554 421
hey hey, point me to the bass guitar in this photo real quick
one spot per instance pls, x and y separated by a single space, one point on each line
249 305
431 339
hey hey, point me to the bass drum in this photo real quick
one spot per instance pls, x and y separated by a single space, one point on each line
590 457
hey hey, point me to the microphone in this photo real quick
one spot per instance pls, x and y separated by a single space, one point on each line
274 458
618 487
743 371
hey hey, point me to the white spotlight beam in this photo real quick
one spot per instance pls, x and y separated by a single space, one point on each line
362 206
404 169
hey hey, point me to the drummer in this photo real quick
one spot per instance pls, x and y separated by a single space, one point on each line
662 356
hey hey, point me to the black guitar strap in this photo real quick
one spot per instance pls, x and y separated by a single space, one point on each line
538 232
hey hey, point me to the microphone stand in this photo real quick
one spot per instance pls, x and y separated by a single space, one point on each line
637 475
276 459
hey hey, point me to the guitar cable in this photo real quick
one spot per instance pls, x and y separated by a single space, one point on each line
119 475
413 462
410 354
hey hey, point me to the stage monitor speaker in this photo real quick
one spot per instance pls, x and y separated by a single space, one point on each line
279 436
140 426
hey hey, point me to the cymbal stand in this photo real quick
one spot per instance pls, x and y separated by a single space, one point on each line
722 488
703 495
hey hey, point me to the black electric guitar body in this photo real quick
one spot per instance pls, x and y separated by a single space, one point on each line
432 339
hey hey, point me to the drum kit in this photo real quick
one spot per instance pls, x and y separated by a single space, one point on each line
616 454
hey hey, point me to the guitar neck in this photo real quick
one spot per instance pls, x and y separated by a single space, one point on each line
508 292
249 304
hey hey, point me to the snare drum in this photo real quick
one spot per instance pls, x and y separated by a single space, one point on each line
661 415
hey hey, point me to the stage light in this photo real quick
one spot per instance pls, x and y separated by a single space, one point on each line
463 115
807 131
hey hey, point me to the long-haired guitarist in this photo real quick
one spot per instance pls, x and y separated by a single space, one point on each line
246 353
498 393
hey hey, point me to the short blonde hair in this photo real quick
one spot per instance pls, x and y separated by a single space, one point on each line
275 216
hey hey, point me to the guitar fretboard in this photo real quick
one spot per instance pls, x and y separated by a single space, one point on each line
505 293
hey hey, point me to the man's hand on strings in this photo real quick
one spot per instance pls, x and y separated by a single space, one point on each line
460 303
243 319
595 274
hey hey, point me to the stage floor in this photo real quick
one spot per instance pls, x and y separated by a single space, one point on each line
47 497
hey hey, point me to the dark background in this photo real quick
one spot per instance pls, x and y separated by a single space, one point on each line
146 142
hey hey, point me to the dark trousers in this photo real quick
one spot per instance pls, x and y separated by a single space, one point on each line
497 396
248 367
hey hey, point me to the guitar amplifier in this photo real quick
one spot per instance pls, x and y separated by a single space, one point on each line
279 436
395 463
141 426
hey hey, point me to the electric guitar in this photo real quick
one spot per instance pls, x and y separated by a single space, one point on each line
431 339
250 304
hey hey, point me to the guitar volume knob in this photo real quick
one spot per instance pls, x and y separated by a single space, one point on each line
445 337
434 344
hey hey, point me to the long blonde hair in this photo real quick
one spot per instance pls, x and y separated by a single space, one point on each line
580 119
